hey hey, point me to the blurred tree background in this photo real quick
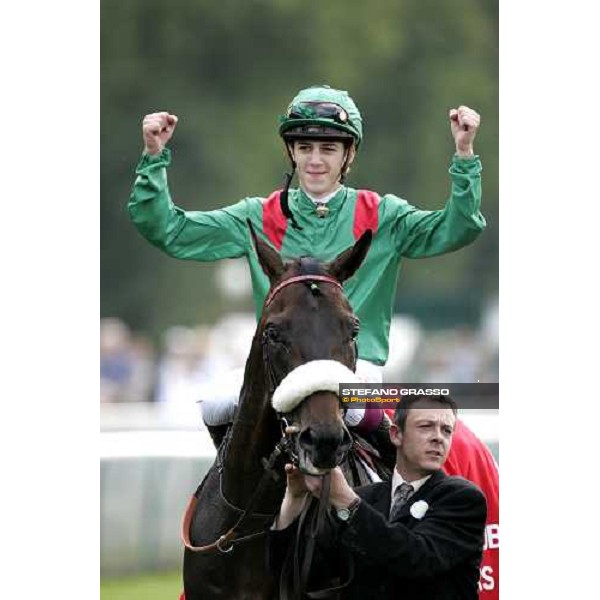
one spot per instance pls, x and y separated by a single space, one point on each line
229 68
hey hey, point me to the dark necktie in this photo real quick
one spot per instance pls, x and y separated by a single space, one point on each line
403 492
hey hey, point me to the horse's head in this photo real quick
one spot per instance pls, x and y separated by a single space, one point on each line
308 333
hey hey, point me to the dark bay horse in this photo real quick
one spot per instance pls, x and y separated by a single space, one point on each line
306 318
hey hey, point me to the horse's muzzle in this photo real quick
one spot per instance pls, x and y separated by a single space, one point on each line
322 448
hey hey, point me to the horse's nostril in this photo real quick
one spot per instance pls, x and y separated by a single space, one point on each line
306 439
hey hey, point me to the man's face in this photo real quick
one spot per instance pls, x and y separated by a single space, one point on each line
423 446
319 165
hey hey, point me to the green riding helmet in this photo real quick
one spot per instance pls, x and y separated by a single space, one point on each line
321 112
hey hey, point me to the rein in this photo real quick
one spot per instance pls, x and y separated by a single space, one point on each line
225 543
300 572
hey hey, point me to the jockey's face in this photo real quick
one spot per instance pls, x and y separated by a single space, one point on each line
423 446
319 165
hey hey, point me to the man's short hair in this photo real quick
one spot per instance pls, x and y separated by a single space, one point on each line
409 402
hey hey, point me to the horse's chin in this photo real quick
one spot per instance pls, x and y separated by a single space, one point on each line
306 465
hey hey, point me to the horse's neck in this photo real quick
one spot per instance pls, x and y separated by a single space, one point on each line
254 431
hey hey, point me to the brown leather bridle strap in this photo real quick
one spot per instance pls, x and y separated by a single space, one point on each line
298 278
294 577
224 544
227 540
185 531
315 527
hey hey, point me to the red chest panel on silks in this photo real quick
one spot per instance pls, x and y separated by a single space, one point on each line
366 216
274 221
366 213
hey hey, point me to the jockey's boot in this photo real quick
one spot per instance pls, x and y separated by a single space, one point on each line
218 433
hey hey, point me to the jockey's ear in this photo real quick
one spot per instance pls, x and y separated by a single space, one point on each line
268 258
347 263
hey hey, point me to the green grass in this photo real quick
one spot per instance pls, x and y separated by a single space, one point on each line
162 586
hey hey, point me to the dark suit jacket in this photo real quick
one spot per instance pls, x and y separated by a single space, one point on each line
436 557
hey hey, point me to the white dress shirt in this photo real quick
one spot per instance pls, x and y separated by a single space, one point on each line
398 480
325 199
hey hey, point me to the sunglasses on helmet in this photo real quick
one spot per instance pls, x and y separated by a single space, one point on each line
318 110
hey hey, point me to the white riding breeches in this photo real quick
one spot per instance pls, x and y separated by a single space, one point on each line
220 397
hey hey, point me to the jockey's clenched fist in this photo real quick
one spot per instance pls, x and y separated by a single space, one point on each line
157 129
464 122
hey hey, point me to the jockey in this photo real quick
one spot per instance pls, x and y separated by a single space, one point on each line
322 131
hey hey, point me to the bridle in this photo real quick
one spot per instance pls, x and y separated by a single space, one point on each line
271 374
295 573
297 279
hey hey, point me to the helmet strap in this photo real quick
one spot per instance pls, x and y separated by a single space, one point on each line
345 165
283 198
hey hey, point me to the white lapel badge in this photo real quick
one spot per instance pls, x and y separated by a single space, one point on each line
418 509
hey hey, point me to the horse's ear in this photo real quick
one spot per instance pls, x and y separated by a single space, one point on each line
347 263
269 259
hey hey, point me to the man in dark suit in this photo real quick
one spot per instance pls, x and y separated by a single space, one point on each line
419 536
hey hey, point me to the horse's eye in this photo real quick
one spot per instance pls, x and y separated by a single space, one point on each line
272 333
355 328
